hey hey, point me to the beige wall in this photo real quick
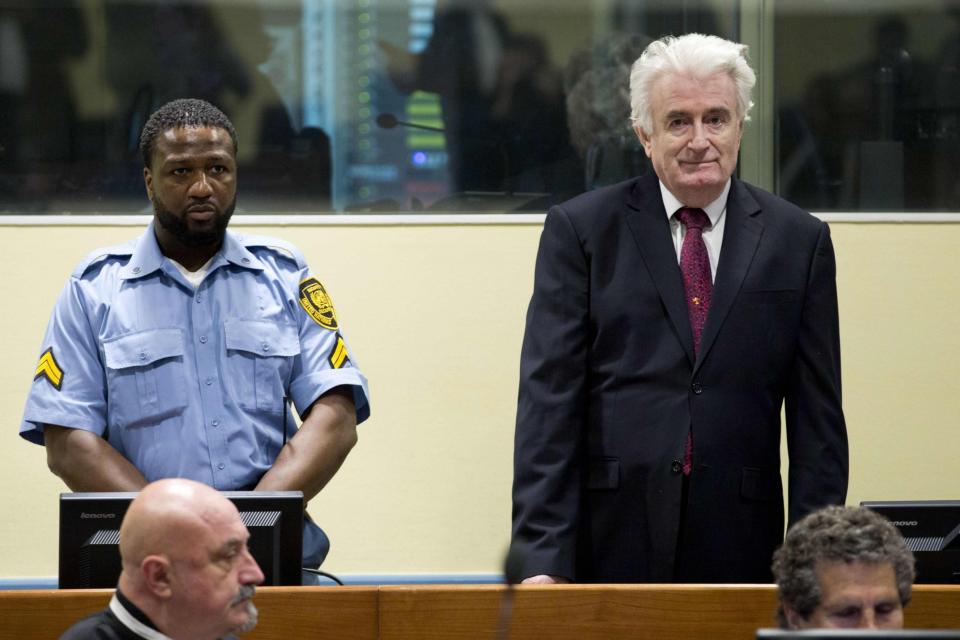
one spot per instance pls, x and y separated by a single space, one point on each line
435 318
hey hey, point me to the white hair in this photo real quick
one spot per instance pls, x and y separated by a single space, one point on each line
695 55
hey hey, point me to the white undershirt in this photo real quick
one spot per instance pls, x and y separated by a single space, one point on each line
712 237
193 277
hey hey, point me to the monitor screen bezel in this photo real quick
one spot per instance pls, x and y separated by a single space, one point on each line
923 523
290 504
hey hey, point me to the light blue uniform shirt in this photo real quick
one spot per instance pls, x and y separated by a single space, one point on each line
191 382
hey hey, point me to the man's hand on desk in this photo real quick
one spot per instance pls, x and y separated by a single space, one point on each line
543 579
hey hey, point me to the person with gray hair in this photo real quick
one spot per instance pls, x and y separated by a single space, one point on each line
697 55
673 315
187 572
843 567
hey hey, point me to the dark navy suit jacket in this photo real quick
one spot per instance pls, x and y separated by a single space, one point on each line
609 388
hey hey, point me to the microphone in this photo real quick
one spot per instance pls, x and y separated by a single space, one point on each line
512 575
390 121
387 120
513 567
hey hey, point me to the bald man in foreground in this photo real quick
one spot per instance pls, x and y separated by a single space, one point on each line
187 572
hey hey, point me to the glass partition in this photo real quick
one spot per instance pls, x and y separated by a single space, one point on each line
340 105
867 98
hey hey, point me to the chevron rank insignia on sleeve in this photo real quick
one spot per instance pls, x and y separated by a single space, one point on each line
339 356
48 369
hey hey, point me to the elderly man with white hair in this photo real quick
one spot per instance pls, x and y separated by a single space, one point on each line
187 572
673 316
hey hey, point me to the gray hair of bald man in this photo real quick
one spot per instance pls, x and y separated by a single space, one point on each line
694 55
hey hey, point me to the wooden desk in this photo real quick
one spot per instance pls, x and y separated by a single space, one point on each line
286 613
41 613
638 612
425 612
661 612
289 613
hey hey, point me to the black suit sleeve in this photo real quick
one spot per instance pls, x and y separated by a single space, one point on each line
550 409
816 432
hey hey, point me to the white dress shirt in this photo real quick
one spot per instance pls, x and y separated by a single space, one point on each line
712 236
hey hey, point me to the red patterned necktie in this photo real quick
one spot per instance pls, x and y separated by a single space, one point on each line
698 287
695 267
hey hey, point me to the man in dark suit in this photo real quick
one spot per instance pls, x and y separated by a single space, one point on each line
672 316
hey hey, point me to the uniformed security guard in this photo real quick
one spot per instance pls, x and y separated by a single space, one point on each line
175 355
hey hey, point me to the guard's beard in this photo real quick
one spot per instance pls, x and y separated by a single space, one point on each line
177 226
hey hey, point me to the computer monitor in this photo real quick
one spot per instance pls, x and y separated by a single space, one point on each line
90 535
931 529
850 634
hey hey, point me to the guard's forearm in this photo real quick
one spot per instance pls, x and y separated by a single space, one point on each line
87 462
314 454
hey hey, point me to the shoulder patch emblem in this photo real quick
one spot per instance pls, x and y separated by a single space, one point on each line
316 302
339 357
49 369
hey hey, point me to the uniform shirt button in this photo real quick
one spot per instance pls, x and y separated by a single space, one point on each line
697 388
245 260
220 466
143 356
676 467
209 381
198 298
215 423
266 347
136 269
203 339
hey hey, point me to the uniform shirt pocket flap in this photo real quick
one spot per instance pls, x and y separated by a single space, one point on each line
142 348
262 338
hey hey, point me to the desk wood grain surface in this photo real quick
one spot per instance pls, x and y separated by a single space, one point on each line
425 612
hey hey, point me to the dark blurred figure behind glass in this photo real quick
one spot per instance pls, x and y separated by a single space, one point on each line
460 64
38 117
856 141
162 50
656 20
598 111
944 129
501 101
529 117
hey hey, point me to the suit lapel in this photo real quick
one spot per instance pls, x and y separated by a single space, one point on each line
741 236
650 227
